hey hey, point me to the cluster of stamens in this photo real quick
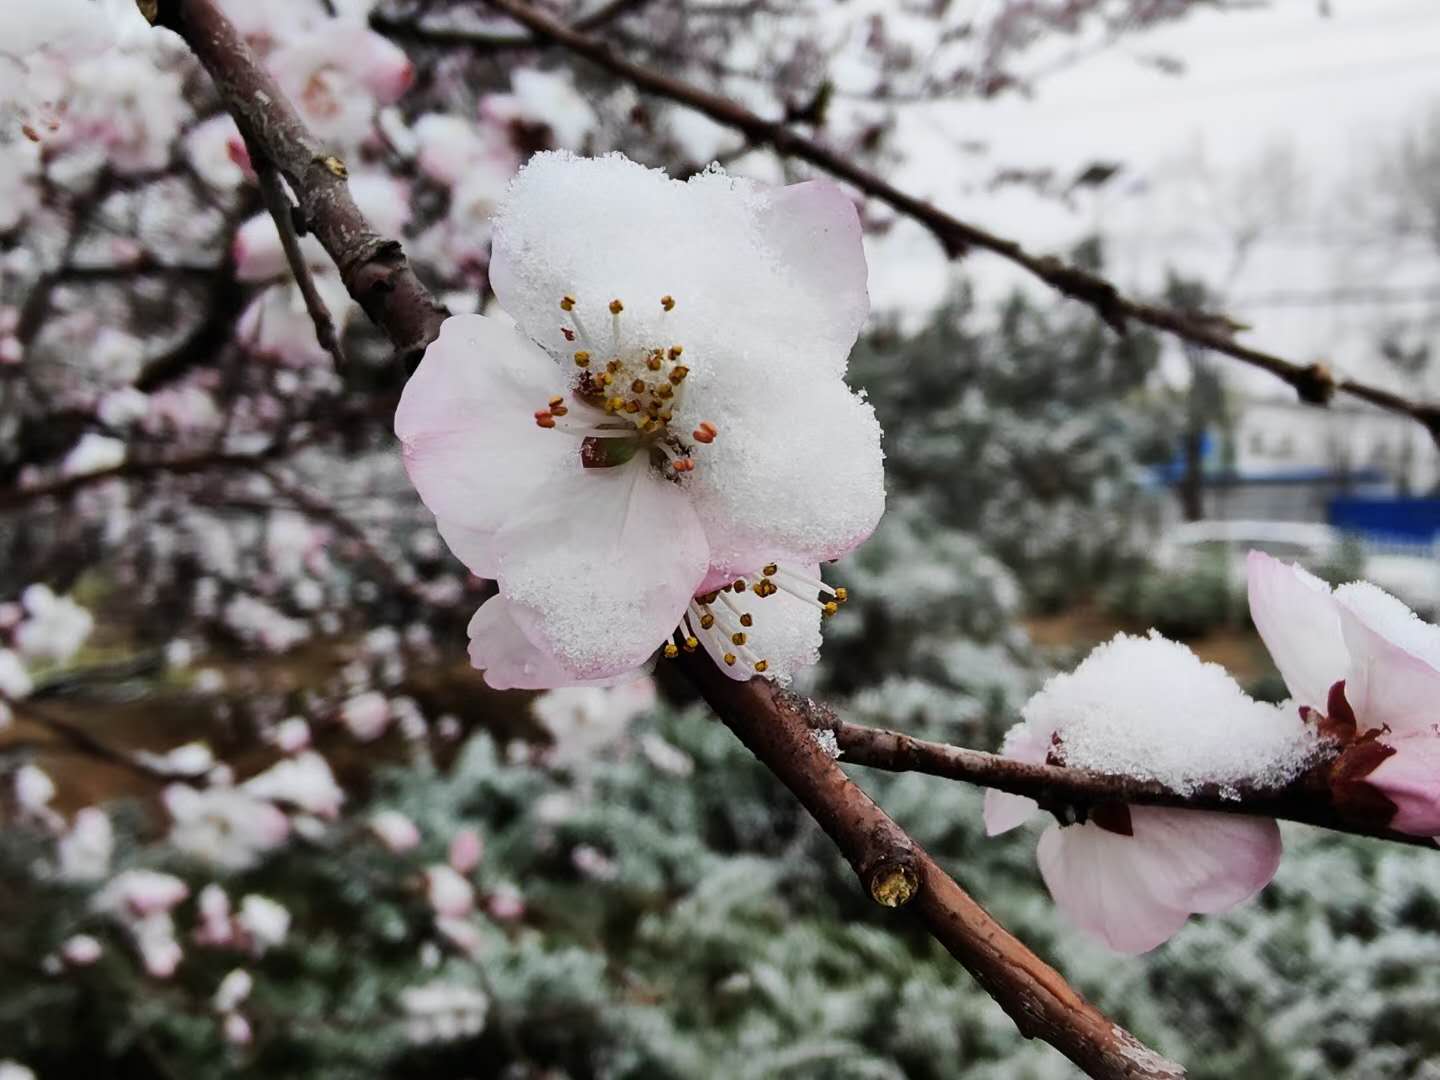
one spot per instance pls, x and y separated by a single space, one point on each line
722 619
631 395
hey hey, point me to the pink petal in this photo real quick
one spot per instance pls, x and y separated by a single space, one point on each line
1134 892
1200 861
1387 685
815 232
472 448
600 570
1092 877
1297 618
1410 778
1004 811
511 661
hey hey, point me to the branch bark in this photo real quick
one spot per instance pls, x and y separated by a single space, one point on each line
771 724
374 269
1314 383
282 212
776 726
1306 799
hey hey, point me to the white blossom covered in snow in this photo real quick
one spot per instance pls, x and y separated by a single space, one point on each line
1367 670
665 449
1147 707
443 1012
225 826
304 782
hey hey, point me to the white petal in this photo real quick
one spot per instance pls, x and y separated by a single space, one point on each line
804 476
765 282
1092 877
600 570
472 448
1297 618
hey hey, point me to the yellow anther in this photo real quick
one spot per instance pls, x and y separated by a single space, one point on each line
667 302
567 303
737 638
582 359
762 666
842 594
691 644
707 621
671 650
730 659
665 392
770 569
556 401
615 404
830 609
616 307
675 351
747 619
606 378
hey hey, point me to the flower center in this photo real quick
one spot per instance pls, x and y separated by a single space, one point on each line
724 620
623 396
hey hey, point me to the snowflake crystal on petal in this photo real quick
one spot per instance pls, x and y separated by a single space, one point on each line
662 451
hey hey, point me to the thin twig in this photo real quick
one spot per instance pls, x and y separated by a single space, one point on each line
282 211
1315 383
81 740
775 726
1306 799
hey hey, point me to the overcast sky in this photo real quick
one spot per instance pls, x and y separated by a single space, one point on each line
1273 126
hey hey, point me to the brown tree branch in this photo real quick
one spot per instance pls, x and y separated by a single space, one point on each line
1306 799
775 726
1315 383
893 869
374 269
282 211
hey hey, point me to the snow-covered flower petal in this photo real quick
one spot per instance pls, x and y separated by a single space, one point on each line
511 661
1386 684
821 480
572 225
601 571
